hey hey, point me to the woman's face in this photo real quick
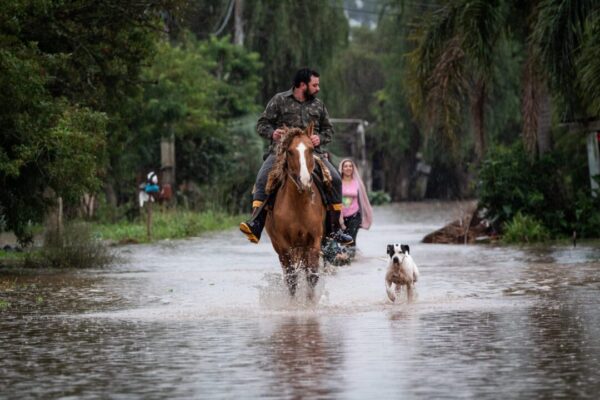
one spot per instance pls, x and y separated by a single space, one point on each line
347 169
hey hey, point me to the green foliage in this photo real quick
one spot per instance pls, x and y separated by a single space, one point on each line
587 214
76 147
354 77
8 256
74 248
67 69
377 197
561 33
510 183
230 188
548 190
66 157
588 65
524 229
290 34
204 95
4 305
166 225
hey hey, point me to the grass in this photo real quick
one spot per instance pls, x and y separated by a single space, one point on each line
166 225
84 244
9 259
12 255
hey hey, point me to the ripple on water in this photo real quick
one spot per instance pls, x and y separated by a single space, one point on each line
210 318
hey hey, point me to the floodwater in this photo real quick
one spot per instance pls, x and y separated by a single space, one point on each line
209 318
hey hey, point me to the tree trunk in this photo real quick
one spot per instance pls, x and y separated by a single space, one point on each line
238 34
536 109
111 196
544 140
477 110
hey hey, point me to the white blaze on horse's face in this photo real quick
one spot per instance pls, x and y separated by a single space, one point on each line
304 174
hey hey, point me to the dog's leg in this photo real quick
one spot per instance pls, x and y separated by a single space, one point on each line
409 292
388 290
415 274
398 290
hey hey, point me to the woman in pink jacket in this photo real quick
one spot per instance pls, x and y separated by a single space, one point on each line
356 212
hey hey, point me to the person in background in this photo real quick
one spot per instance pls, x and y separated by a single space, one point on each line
356 211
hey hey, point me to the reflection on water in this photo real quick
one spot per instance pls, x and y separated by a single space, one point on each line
209 318
293 342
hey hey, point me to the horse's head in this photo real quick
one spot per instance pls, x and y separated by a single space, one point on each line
299 157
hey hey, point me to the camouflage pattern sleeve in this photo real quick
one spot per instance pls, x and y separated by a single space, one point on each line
268 120
326 132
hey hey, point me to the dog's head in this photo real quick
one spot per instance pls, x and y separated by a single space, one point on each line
397 252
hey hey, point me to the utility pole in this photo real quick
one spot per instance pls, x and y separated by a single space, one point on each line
167 161
360 148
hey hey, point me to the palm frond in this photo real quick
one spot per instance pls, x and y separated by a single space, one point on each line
481 23
447 90
557 34
588 65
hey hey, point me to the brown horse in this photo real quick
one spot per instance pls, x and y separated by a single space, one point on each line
295 224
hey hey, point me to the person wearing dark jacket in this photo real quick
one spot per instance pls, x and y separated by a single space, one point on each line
296 108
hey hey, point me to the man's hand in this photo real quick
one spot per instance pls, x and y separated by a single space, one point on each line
277 133
316 140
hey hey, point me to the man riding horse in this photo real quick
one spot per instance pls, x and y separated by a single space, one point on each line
296 108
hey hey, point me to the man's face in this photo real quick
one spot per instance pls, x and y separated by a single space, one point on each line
312 88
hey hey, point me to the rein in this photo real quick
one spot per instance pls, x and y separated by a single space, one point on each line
296 180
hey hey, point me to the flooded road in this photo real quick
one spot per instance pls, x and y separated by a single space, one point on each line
209 318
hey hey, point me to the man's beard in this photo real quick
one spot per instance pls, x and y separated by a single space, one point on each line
308 95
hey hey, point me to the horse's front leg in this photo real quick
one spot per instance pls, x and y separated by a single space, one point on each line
312 271
291 279
290 273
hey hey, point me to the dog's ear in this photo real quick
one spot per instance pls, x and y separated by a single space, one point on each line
390 250
405 249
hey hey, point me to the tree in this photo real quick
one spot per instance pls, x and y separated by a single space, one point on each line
290 34
67 70
201 92
456 51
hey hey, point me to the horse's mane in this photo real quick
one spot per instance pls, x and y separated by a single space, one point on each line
279 170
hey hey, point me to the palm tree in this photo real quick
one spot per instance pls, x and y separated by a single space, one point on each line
455 51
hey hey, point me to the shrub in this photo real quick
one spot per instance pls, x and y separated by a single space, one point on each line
379 197
587 214
524 229
75 248
551 189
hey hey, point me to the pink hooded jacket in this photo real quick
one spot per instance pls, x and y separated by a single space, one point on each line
366 211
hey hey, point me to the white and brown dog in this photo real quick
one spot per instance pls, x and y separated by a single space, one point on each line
402 271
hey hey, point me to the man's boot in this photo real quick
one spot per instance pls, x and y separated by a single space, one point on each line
254 226
335 230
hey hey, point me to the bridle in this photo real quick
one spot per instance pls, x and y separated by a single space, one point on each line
297 182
